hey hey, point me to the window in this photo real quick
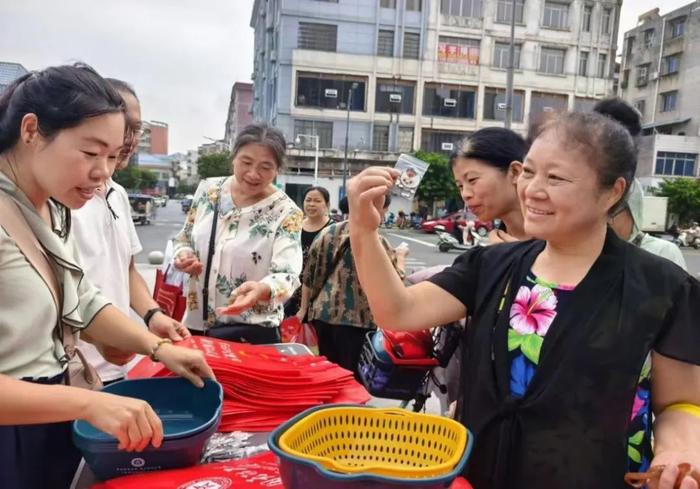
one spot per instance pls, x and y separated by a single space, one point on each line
676 28
669 101
630 46
606 20
411 45
672 64
387 3
405 140
459 50
552 61
625 79
587 15
648 38
504 11
414 5
395 97
642 75
319 37
380 138
501 55
640 105
602 70
461 8
556 15
544 103
385 43
584 104
443 141
324 131
449 101
583 63
676 164
495 104
329 91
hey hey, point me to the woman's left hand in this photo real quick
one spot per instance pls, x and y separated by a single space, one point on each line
245 297
185 362
166 327
669 476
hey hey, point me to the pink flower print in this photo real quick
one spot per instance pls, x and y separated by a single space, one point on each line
533 310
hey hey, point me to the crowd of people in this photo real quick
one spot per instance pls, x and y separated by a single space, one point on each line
579 362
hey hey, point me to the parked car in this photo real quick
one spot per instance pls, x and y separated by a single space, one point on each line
447 221
160 201
186 203
143 210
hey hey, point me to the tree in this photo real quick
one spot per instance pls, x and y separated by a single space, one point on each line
135 178
214 165
438 182
683 198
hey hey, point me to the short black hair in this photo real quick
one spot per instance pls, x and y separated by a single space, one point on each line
321 190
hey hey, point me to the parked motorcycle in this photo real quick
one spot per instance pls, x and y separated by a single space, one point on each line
447 242
688 238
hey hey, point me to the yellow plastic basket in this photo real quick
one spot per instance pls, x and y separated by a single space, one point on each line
390 442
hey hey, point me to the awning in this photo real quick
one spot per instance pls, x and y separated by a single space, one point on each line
664 124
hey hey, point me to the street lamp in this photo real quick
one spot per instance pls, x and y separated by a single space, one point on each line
315 138
347 130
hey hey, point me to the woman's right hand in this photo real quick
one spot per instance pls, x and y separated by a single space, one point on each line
131 421
366 193
187 262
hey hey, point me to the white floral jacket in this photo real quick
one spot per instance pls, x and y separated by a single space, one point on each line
261 242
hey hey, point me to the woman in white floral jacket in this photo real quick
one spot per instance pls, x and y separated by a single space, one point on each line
257 255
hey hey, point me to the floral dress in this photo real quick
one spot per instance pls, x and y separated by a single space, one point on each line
534 309
261 242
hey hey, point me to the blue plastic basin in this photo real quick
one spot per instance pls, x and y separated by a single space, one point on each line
190 416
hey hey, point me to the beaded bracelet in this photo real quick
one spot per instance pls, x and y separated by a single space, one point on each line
157 347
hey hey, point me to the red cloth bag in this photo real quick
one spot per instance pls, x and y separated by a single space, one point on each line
170 298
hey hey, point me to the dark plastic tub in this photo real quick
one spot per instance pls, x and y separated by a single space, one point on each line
189 415
299 473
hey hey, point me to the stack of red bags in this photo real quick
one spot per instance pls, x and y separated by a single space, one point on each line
264 388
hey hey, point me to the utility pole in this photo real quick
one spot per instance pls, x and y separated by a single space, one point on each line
347 133
511 69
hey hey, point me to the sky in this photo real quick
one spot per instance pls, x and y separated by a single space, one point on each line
181 56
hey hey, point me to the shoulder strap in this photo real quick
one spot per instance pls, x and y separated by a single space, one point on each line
210 255
16 226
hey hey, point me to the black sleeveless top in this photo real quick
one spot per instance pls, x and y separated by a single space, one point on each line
569 429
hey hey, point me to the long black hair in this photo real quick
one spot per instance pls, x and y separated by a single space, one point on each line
495 146
61 97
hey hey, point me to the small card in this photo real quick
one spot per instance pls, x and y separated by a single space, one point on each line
412 171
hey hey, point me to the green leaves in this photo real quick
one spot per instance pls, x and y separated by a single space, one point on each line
214 165
529 344
438 182
135 178
634 454
683 198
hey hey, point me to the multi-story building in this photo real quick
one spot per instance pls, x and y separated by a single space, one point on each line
239 115
9 72
154 138
216 146
661 78
185 165
161 166
419 74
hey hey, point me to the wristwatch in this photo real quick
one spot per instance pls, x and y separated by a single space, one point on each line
149 315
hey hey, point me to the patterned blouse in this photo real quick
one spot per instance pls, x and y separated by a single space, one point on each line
260 242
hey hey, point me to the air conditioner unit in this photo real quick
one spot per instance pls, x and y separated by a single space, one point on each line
653 75
273 55
395 98
447 146
449 102
331 93
501 106
547 108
